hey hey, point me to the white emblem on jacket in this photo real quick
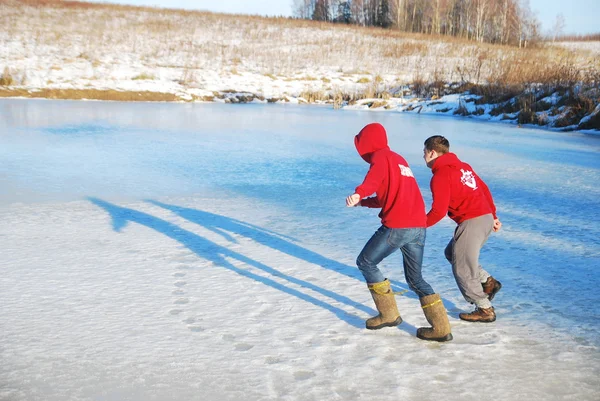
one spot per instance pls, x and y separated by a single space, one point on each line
405 171
468 179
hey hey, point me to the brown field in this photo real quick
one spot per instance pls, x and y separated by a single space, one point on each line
90 94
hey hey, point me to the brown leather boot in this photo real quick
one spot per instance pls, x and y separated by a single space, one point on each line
436 315
484 315
385 301
491 287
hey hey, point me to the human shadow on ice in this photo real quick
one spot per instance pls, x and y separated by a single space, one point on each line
224 225
218 255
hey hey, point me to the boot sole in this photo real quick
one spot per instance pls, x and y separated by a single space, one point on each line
478 321
387 324
447 337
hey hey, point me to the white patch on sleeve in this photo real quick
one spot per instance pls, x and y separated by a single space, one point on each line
405 171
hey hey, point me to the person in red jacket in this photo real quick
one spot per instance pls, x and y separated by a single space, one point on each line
403 227
458 191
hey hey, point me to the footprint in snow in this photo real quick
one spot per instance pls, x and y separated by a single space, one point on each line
196 329
243 347
303 375
228 337
271 360
339 341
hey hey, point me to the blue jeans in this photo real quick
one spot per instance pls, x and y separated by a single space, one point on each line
385 241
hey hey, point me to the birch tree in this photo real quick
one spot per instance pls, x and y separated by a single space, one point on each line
495 21
558 27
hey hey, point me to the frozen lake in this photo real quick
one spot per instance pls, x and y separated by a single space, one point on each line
203 251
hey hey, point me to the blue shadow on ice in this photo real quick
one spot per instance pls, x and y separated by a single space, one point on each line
222 224
218 255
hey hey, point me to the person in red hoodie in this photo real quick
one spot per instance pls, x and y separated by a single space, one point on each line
403 227
458 191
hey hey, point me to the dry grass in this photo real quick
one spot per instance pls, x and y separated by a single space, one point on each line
6 79
91 94
143 76
312 96
277 46
406 48
592 37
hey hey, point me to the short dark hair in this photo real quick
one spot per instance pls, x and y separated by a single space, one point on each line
437 143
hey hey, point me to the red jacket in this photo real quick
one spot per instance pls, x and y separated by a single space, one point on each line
457 190
398 194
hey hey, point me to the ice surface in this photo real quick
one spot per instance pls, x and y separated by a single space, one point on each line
171 251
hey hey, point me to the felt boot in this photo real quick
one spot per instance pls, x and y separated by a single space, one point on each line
491 287
436 315
385 301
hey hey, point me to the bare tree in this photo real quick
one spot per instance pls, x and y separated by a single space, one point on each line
436 23
496 21
416 17
303 8
558 27
356 9
481 14
449 18
343 11
398 13
528 24
383 13
503 21
321 11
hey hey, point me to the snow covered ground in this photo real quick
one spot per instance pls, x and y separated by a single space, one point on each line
203 251
590 46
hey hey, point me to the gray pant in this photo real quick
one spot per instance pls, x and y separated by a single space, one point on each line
463 252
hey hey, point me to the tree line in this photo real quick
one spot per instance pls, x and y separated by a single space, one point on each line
494 21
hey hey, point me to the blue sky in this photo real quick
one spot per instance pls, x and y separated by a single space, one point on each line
581 16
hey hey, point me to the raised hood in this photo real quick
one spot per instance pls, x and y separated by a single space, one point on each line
370 139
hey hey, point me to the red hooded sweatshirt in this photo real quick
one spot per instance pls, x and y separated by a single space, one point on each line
398 194
458 191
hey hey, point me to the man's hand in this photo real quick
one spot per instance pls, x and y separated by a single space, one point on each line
497 225
353 200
